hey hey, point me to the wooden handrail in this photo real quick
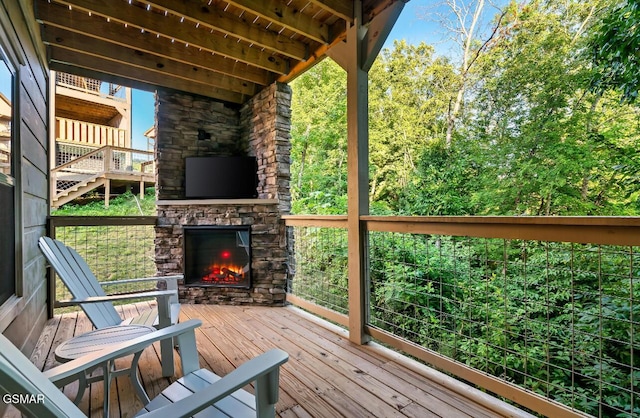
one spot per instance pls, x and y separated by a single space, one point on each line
75 160
105 148
131 150
59 221
578 229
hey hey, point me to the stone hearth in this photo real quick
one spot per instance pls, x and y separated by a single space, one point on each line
259 128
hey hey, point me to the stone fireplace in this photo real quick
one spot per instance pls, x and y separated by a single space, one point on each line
259 128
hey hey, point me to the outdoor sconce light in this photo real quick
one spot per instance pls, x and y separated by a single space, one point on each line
202 135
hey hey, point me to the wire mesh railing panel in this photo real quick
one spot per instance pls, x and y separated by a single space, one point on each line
68 152
318 266
131 161
78 82
112 252
91 85
559 319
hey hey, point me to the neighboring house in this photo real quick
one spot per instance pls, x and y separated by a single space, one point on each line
5 134
150 134
93 149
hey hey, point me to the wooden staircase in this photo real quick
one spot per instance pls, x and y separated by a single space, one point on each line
98 168
79 189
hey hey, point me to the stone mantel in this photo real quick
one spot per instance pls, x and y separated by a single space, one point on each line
213 202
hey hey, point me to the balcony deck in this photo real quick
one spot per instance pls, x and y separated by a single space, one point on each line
326 376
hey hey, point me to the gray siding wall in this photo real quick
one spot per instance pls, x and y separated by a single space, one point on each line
22 318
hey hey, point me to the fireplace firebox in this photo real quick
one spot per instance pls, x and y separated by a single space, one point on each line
217 256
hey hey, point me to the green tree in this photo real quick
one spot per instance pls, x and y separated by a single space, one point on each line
615 44
408 94
319 132
543 146
443 181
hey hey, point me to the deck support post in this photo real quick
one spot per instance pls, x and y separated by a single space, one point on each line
107 192
356 56
357 177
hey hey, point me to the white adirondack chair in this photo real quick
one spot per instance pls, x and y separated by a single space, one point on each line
36 394
98 306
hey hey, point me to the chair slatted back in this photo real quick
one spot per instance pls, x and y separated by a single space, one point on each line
81 282
31 393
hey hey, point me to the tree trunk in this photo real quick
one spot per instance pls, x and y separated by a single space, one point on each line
303 155
467 34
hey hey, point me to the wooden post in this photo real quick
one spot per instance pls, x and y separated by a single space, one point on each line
357 177
356 56
107 192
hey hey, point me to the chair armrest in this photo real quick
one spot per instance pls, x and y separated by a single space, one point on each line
98 299
90 361
170 281
143 279
263 369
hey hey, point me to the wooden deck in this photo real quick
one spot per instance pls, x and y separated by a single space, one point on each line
326 376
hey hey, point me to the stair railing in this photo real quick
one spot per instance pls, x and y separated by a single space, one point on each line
101 161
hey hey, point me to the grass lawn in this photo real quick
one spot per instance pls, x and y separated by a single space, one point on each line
112 252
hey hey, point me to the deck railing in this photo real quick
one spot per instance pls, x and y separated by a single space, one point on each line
84 163
115 248
542 311
85 133
91 86
5 162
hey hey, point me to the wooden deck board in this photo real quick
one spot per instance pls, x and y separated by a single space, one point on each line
333 369
326 375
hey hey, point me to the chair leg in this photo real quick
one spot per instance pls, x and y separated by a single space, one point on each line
134 376
107 367
82 386
166 357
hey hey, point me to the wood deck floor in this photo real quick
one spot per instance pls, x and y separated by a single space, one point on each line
326 375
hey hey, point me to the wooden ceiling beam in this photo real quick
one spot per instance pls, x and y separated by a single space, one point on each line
220 21
372 9
275 11
74 62
170 28
340 8
61 17
57 37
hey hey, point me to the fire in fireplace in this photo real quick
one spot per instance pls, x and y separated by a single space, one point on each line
217 256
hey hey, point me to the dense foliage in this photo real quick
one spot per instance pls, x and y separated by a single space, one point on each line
615 43
532 136
547 125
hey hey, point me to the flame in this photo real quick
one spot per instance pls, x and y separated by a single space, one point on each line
224 273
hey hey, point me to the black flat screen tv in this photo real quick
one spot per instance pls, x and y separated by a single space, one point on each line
221 177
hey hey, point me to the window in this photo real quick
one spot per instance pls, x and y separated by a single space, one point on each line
7 182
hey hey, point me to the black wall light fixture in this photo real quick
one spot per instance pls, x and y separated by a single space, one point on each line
202 135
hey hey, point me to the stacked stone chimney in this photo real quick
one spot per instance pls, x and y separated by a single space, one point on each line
260 128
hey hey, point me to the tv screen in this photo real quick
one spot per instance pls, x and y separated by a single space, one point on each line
221 177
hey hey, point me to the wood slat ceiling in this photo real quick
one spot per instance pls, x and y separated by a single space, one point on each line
227 50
